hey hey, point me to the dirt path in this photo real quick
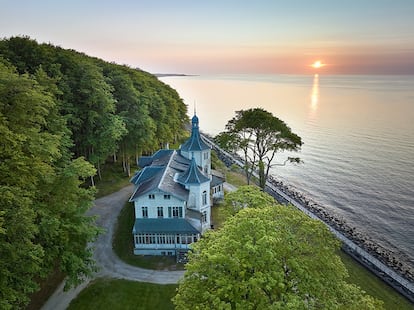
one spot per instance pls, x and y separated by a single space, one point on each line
107 209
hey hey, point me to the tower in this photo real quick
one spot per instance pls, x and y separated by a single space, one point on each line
196 148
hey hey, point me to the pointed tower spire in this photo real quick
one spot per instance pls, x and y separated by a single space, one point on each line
193 175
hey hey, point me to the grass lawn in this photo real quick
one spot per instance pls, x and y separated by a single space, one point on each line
122 294
123 245
374 286
113 179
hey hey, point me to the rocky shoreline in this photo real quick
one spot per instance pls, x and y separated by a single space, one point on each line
386 256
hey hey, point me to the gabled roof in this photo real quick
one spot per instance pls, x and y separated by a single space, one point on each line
195 142
193 175
145 174
148 183
174 225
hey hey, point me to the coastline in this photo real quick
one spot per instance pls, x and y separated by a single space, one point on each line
375 258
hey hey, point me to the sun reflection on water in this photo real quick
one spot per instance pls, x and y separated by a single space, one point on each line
315 92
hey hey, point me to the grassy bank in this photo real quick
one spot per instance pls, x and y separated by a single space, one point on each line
374 286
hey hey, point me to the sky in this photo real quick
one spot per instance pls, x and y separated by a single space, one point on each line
226 37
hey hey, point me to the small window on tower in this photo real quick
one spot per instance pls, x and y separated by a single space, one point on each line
204 197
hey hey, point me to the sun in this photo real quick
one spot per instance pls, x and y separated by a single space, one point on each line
317 64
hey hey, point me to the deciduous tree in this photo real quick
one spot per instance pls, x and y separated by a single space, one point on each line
259 135
42 195
268 258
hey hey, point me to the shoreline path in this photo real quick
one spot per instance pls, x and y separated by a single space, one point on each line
107 210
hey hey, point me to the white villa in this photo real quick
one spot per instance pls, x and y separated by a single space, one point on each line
173 196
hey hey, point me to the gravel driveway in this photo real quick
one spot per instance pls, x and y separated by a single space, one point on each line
107 210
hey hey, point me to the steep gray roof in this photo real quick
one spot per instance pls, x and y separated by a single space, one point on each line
195 142
193 175
160 174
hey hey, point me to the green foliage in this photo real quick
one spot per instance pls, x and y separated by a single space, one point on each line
41 198
268 258
60 112
259 135
123 294
108 107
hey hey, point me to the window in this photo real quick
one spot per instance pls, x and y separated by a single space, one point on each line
204 198
162 239
204 217
151 196
167 196
144 212
205 169
175 212
160 211
206 155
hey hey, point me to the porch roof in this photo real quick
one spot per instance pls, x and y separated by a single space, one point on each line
163 226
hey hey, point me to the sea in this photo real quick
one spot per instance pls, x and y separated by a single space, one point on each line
358 134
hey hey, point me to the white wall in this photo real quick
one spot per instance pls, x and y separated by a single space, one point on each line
152 204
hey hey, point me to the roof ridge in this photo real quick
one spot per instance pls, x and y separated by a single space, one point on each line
165 170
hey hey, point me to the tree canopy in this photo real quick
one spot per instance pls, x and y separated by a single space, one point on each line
109 108
259 136
62 114
268 257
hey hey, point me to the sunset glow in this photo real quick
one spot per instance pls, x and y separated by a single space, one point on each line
368 45
318 64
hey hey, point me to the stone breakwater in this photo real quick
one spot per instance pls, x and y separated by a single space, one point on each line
400 275
386 256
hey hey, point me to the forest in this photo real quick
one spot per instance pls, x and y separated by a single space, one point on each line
62 115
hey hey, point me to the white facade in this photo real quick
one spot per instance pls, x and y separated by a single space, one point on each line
155 200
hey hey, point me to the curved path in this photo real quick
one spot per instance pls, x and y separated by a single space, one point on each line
107 210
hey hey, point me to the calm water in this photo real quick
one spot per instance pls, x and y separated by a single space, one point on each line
358 134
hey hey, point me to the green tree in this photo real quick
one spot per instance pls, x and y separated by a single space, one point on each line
42 198
259 135
134 112
268 258
90 108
